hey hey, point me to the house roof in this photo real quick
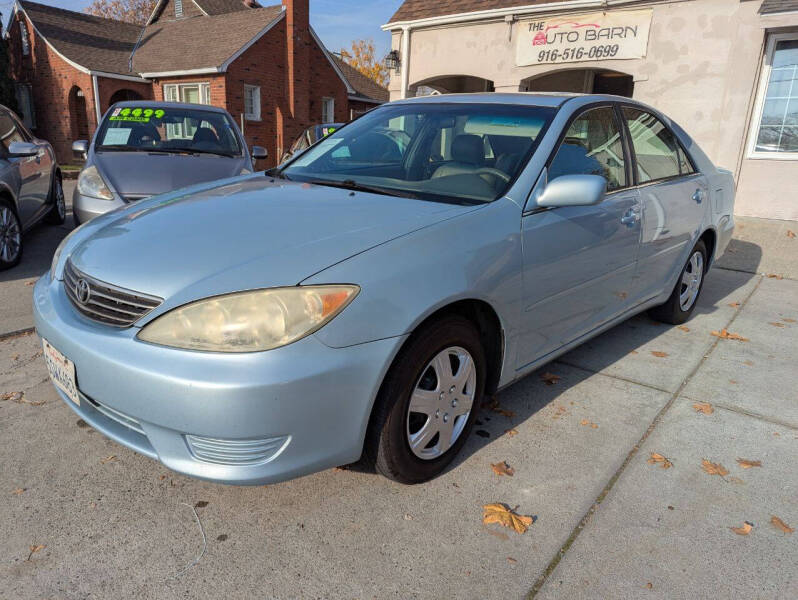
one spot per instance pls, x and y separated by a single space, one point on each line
412 10
778 6
202 42
364 86
94 43
220 7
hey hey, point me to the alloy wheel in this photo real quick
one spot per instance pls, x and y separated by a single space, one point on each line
441 403
60 203
10 235
691 281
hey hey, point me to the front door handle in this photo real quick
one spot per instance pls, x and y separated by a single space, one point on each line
630 218
698 196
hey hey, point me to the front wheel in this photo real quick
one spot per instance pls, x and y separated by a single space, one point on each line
57 213
428 401
685 294
10 236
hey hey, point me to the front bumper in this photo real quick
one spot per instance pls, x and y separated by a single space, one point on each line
85 208
250 418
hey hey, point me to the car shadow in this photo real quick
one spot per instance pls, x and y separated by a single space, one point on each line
741 256
38 247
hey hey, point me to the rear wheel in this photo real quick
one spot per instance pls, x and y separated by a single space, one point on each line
685 294
10 236
426 406
57 213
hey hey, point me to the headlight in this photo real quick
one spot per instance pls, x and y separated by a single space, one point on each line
91 183
250 321
57 253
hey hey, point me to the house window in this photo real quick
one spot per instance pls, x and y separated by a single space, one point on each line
327 110
25 104
252 102
774 133
193 93
23 33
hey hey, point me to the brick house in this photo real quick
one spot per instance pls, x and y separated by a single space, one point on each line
265 65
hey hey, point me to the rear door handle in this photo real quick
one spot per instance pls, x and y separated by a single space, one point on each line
698 196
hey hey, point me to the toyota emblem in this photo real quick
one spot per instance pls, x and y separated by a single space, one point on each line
82 291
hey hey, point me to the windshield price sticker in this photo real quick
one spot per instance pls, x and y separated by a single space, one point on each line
136 115
597 36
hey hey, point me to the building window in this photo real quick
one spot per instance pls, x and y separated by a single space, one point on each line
193 93
252 102
328 110
775 125
23 34
25 104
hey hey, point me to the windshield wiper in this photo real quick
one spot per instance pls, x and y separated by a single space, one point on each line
351 184
192 151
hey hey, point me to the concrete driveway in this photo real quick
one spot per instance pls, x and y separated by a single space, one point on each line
109 523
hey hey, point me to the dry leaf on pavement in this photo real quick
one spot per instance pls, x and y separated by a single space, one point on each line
776 324
108 459
714 468
744 530
734 304
724 334
787 320
502 514
511 560
703 407
684 328
790 233
502 468
747 464
19 491
658 458
776 522
586 422
659 354
550 378
775 276
13 396
511 432
35 549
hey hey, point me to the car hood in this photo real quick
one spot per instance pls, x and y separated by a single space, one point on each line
148 174
247 233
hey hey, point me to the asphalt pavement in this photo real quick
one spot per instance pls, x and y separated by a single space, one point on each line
86 518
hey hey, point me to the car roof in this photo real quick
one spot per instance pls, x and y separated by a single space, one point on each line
552 99
156 104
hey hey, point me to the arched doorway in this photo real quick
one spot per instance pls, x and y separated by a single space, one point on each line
581 81
124 95
451 84
77 113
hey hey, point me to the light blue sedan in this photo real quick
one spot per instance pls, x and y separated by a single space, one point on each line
360 301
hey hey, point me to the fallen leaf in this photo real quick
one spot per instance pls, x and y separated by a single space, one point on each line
502 514
633 352
736 480
511 560
502 468
201 504
776 522
30 283
776 324
650 586
748 363
714 468
19 491
703 407
659 354
747 464
790 234
511 432
35 549
786 320
775 276
108 459
13 396
503 411
586 422
684 328
733 381
744 530
221 538
658 458
162 477
550 378
491 404
16 356
724 334
734 304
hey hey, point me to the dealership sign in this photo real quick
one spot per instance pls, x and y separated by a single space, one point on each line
578 38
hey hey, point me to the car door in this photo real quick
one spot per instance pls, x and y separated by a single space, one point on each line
673 196
25 169
579 261
43 164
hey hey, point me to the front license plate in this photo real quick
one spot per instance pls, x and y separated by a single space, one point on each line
62 371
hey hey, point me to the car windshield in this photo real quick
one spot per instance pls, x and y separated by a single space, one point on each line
168 129
447 152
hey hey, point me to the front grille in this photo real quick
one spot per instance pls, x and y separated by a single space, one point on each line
236 452
104 302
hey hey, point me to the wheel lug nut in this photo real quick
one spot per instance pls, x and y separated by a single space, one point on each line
446 418
454 402
451 390
437 413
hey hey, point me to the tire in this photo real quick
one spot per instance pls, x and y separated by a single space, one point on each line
413 379
10 236
57 213
691 279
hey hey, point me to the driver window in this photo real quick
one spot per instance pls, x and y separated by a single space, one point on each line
592 146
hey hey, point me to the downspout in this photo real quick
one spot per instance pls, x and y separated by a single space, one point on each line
405 60
96 89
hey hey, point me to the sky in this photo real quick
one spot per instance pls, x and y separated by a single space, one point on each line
337 22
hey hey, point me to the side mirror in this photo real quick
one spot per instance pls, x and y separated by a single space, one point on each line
259 153
573 190
80 149
22 150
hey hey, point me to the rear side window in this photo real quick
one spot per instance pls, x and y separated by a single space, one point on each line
658 153
592 146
